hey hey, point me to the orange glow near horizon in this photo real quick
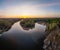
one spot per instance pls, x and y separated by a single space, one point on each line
29 9
25 16
25 11
29 16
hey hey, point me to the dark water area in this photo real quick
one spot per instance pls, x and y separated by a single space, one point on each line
19 39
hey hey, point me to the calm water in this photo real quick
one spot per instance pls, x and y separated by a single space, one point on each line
25 38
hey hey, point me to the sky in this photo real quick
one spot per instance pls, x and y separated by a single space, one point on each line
29 8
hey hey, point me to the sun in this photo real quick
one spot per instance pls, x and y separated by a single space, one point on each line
24 16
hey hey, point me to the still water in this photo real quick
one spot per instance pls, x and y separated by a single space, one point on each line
25 38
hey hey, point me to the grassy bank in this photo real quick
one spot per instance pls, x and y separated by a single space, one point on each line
5 24
52 41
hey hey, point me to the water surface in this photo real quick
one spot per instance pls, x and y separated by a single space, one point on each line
25 38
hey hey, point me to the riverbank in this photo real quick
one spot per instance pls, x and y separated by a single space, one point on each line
51 41
6 23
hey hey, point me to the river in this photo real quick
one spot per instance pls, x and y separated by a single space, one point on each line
24 38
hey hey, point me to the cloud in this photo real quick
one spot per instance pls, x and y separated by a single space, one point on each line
45 5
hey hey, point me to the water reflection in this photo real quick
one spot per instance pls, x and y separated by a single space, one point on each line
25 38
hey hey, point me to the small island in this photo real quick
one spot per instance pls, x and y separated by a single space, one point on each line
27 24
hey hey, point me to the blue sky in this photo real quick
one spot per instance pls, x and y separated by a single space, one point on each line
40 8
